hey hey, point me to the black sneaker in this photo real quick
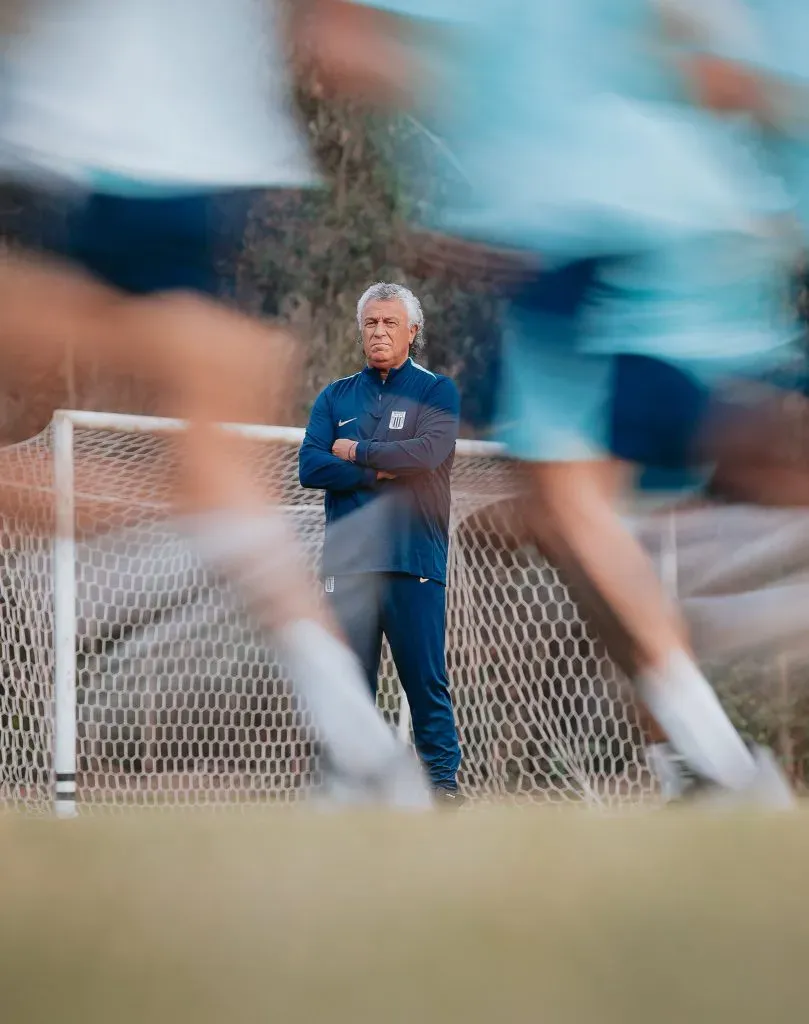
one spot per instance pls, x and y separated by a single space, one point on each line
449 797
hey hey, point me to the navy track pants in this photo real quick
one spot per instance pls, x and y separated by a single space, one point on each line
411 613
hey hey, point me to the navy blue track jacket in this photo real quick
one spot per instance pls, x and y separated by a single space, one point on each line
407 426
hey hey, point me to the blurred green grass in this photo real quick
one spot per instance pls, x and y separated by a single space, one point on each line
495 915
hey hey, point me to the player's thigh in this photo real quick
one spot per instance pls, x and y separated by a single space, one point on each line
213 361
760 448
50 307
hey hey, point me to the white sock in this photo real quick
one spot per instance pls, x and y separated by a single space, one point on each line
255 552
689 712
330 679
663 764
258 554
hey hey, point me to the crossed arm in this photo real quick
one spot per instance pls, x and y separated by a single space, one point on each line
318 466
436 434
346 465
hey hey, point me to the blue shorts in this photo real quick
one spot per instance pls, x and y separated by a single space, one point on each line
566 395
147 244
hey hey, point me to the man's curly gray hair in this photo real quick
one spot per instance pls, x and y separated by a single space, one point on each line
384 291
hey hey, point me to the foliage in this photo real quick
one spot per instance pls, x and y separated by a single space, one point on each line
307 257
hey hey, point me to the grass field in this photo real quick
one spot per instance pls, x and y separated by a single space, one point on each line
495 915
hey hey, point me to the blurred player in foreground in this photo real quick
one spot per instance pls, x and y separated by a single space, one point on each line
147 111
617 145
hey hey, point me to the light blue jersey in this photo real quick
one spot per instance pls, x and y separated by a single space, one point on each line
578 139
784 27
571 124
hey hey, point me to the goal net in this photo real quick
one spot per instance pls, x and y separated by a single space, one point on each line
178 698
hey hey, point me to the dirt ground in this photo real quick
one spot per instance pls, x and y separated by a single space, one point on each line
494 915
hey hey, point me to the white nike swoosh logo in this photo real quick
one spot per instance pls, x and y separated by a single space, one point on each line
342 423
423 579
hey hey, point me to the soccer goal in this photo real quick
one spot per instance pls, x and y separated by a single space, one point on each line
131 676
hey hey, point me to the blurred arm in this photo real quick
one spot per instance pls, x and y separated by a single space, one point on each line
356 49
12 14
724 56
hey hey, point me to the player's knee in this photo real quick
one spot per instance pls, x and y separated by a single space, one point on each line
210 348
563 492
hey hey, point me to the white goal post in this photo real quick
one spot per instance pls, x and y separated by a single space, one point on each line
131 677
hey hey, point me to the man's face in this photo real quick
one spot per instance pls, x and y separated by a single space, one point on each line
386 335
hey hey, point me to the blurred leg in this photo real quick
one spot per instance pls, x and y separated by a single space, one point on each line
575 517
210 365
356 603
558 406
760 450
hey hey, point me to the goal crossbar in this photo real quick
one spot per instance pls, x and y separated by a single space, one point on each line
125 424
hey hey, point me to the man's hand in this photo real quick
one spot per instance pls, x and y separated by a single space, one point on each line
344 448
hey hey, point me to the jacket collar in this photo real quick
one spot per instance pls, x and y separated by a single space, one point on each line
400 371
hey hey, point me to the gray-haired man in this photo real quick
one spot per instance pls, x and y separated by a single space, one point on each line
391 429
